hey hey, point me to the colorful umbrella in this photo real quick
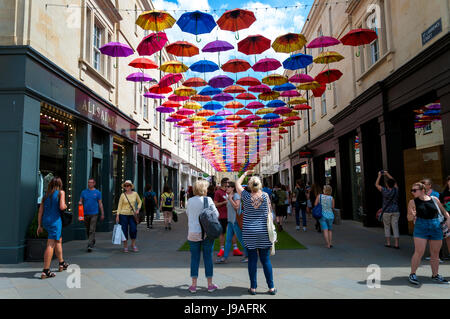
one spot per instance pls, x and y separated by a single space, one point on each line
223 97
173 67
275 103
171 104
139 77
234 105
319 91
195 82
358 37
157 89
182 48
220 81
234 89
266 65
328 57
254 44
116 49
201 98
302 107
218 46
289 42
268 96
224 113
143 63
196 23
164 109
192 106
284 87
153 96
248 81
244 112
265 110
301 78
178 98
297 100
322 41
178 116
236 65
235 20
209 91
254 105
170 79
205 113
297 61
152 43
234 118
328 76
184 91
185 112
204 66
292 93
212 106
155 20
246 96
260 88
309 86
271 116
274 79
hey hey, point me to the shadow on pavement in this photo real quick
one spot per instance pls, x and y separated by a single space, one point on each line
25 275
403 281
159 291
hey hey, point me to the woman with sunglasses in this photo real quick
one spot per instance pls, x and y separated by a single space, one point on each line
424 210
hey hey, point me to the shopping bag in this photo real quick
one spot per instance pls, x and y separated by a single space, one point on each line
118 235
289 210
158 216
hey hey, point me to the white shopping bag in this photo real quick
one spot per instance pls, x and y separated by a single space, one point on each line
157 215
118 235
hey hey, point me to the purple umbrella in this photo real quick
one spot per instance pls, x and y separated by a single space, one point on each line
224 113
152 43
139 77
217 46
171 119
226 122
116 49
153 96
220 81
266 65
260 88
223 97
322 42
291 93
301 78
165 109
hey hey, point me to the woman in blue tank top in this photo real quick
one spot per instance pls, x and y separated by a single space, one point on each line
49 216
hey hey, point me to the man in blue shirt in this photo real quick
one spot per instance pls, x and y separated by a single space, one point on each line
429 187
91 199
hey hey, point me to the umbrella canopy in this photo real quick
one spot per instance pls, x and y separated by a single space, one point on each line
236 65
205 113
237 19
139 77
248 81
153 96
178 98
301 78
284 87
244 112
358 37
309 86
282 110
215 118
291 93
155 20
267 96
302 107
143 63
265 110
224 113
319 91
271 116
165 109
234 105
274 79
234 118
328 57
173 67
217 46
116 49
260 88
289 42
204 66
157 89
178 116
234 89
275 103
184 112
322 41
152 43
328 76
170 79
223 97
184 91
212 106
197 118
196 22
171 104
254 44
297 100
220 81
182 48
297 61
266 65
209 91
246 96
195 82
254 105
201 98
192 106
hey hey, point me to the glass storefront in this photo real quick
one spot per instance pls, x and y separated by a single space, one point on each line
356 180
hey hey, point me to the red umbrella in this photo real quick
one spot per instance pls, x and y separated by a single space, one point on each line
152 43
248 81
237 19
236 65
254 44
195 82
234 89
244 112
328 76
246 96
143 63
170 79
302 107
171 104
159 90
319 91
358 37
200 98
182 48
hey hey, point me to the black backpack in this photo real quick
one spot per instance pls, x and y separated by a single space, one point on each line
301 196
209 221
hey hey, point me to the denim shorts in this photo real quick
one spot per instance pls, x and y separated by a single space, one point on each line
428 229
326 223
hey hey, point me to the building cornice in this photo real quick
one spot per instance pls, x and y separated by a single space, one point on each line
111 11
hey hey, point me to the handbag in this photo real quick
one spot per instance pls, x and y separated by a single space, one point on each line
118 237
442 220
317 210
271 228
66 216
174 216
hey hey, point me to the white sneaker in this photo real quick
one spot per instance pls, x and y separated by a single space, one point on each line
298 227
304 228
440 260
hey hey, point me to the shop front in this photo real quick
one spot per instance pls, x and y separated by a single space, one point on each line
148 166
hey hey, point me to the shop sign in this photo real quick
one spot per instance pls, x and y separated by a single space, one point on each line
305 154
96 112
431 32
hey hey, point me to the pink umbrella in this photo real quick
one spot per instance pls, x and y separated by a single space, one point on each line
292 93
266 65
301 78
260 88
254 105
322 42
185 112
170 79
177 98
282 110
277 121
224 113
152 43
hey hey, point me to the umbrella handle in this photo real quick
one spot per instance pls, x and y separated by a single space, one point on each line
236 35
197 39
357 54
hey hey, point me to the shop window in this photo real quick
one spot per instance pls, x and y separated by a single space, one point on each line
118 171
305 120
56 152
356 178
335 100
428 126
330 171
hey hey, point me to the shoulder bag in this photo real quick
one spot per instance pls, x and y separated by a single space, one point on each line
136 218
317 210
444 227
271 227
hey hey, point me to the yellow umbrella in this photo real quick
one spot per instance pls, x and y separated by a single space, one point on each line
289 42
265 110
198 118
293 113
186 91
309 85
275 79
192 106
260 122
155 20
268 96
173 67
328 57
297 100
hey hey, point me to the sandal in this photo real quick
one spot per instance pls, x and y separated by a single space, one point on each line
46 273
63 266
251 291
272 292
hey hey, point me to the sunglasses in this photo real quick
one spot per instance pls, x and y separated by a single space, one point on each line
127 185
414 190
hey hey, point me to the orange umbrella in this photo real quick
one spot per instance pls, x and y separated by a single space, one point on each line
195 82
201 98
182 48
234 105
234 89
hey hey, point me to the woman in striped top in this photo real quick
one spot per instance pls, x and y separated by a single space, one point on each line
255 206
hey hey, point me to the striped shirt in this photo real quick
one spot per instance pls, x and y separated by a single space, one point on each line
254 230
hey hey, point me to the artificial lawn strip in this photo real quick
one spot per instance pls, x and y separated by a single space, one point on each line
285 242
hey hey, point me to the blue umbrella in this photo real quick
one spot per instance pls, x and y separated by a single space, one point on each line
196 22
215 118
209 91
213 106
275 103
284 87
204 66
297 61
270 116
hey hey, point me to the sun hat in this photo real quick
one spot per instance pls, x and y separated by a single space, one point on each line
128 182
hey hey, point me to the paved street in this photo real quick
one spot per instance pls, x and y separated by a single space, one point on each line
160 271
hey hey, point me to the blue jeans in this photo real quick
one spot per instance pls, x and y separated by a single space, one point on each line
233 228
195 247
299 208
264 256
127 221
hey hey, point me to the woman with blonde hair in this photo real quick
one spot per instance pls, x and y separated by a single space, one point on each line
326 222
49 216
197 243
256 207
426 212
